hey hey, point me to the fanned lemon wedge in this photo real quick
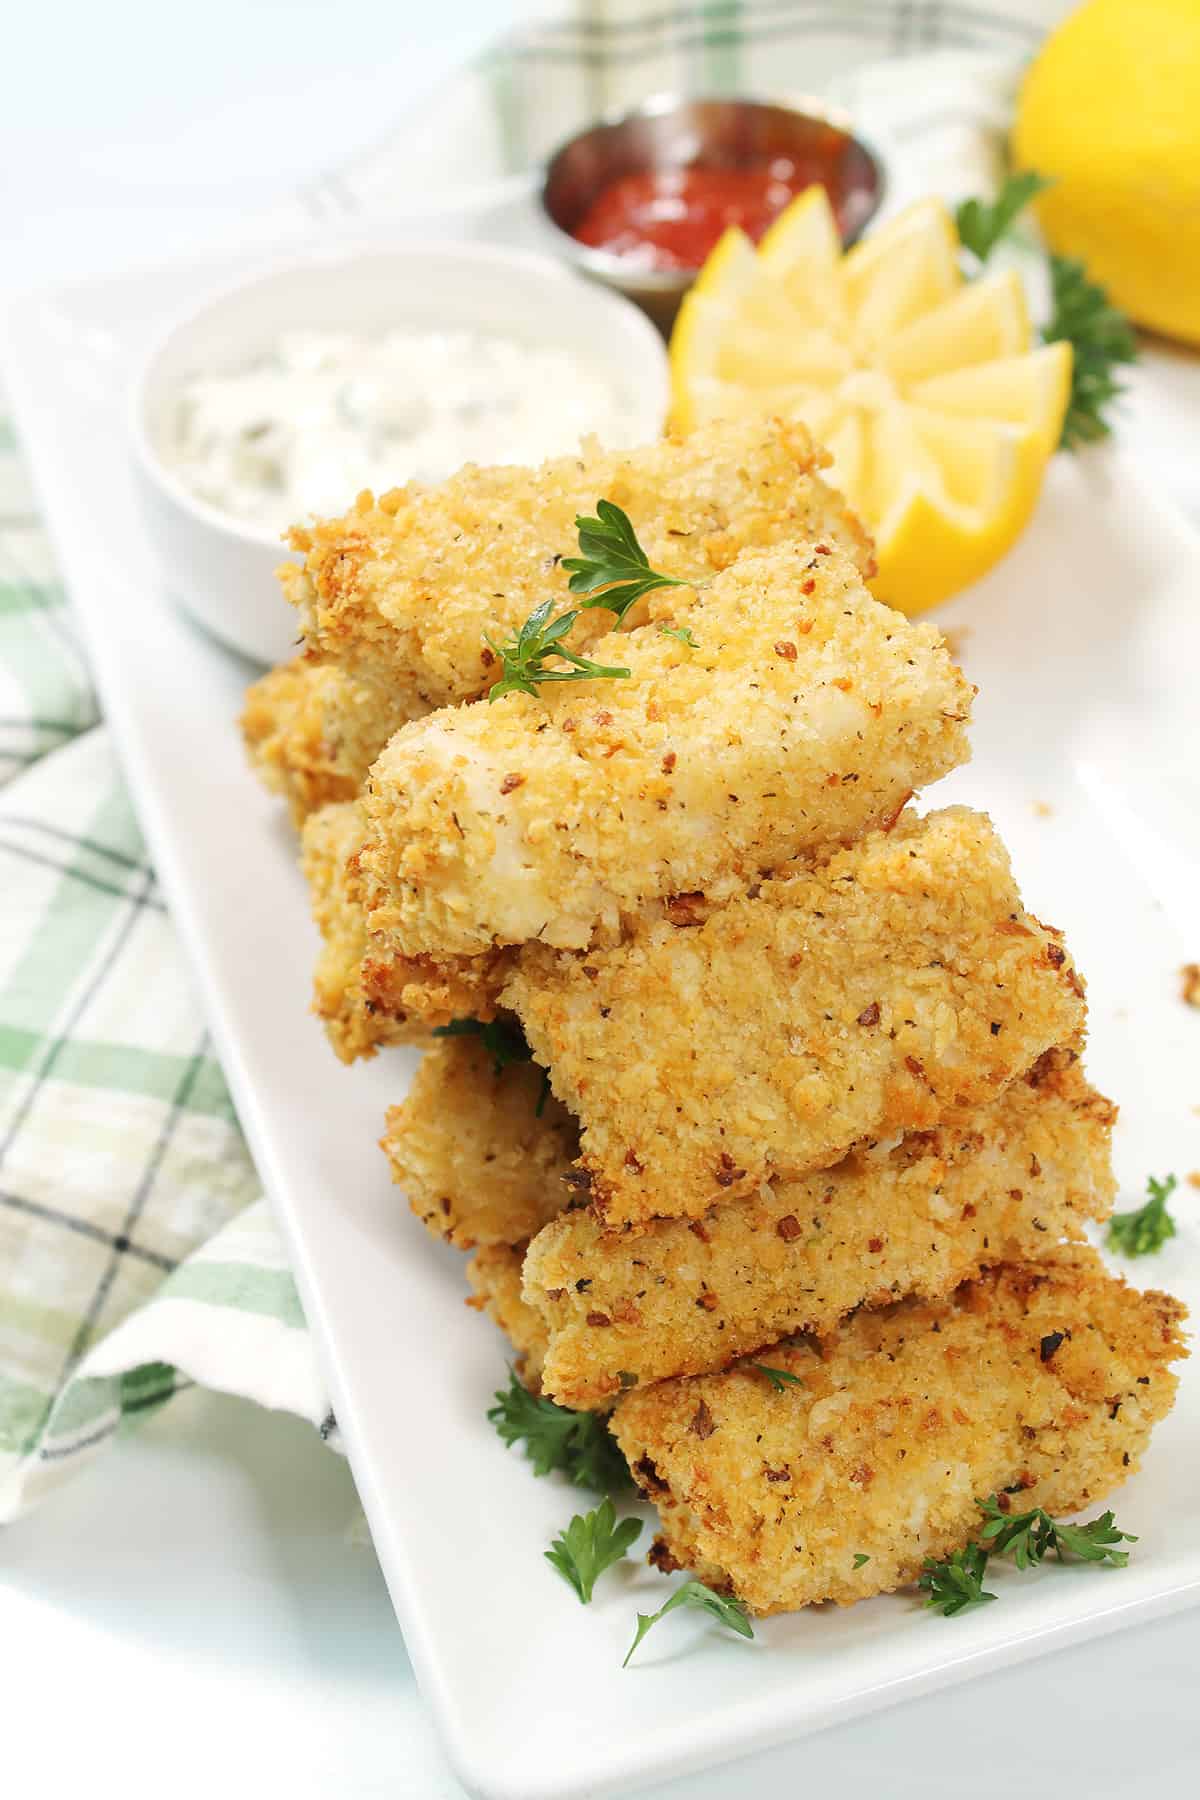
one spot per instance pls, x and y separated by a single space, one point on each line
939 415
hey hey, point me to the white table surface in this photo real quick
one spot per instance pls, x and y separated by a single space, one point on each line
197 1613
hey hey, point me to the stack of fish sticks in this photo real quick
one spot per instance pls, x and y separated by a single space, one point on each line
757 1095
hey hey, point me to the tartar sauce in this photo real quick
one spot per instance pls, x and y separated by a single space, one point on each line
324 414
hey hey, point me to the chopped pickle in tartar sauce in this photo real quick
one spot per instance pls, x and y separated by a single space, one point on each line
323 414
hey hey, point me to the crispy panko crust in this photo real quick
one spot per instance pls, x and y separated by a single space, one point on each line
915 1217
312 731
495 1274
899 984
480 1153
363 1004
1039 1377
402 590
805 713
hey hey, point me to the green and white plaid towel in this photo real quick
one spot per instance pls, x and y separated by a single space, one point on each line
136 1253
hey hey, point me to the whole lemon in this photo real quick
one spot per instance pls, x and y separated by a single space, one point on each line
1110 111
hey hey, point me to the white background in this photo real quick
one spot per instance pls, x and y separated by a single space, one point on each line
196 1615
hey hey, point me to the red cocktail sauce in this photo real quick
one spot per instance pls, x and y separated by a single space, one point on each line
671 218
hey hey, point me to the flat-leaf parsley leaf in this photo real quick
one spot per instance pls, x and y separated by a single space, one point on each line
523 665
554 1437
1028 1537
503 1039
591 1543
982 223
1147 1229
612 559
778 1378
957 1583
695 1593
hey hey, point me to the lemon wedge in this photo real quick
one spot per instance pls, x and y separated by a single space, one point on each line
939 414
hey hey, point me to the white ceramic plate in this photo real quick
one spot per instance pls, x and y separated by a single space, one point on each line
1085 646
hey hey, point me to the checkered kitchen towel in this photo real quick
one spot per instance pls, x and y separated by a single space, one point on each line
136 1254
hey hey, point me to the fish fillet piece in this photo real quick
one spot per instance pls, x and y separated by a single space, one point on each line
312 731
365 1003
401 590
1040 1378
494 1272
481 1152
805 713
913 1217
896 985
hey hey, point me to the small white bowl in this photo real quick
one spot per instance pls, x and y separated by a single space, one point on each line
223 569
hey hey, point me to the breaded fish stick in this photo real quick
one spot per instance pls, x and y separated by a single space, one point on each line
312 731
365 1004
402 590
898 984
1040 1378
910 1218
480 1151
495 1275
804 713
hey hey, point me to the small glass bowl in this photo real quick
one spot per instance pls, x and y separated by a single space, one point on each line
669 132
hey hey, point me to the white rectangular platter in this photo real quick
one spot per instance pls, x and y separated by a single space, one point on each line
1085 646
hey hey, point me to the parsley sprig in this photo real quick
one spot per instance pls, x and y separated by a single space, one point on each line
982 223
957 1583
1029 1537
502 1038
614 571
778 1378
695 1593
591 1543
523 657
612 559
1101 337
1147 1228
554 1437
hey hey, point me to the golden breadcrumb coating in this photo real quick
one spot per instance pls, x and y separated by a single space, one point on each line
403 589
1042 1378
896 985
363 1004
480 1152
495 1274
354 1023
913 1217
312 731
805 713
